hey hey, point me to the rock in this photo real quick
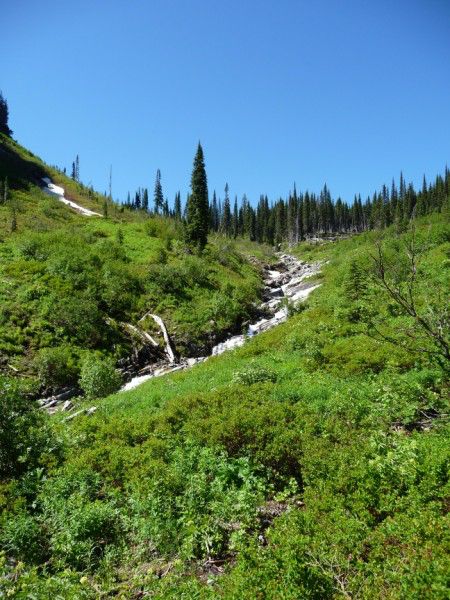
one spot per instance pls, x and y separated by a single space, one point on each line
276 293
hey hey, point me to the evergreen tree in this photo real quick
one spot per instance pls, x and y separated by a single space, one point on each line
299 218
252 224
137 200
145 200
422 200
214 217
235 218
291 218
246 216
198 206
119 236
402 186
4 114
279 222
226 218
158 198
177 206
410 201
307 229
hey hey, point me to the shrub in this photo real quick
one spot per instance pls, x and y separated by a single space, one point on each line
56 367
254 374
21 537
161 256
24 432
77 317
99 377
81 531
200 506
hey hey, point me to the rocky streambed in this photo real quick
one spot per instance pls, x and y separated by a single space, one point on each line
288 282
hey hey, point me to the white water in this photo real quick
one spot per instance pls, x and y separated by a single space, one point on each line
56 191
292 285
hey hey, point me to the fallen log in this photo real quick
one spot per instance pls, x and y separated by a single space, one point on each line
140 333
169 349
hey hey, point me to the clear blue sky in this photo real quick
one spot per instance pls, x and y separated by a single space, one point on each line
346 92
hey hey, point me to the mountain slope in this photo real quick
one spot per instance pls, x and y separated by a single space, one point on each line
312 462
71 284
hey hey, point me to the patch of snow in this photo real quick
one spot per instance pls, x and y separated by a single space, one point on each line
55 190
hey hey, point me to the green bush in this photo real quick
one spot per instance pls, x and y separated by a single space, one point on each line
25 583
22 538
99 377
254 374
56 367
200 506
26 439
80 532
76 317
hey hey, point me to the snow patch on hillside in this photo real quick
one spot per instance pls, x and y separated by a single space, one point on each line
56 191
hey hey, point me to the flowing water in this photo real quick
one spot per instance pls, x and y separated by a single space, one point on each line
290 284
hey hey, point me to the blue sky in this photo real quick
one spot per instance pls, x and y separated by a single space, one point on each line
344 92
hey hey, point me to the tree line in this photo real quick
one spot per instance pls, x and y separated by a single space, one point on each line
300 216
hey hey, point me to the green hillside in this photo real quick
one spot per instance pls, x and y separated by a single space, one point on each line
310 463
69 283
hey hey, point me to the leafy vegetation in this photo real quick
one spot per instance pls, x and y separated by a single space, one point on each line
312 462
69 284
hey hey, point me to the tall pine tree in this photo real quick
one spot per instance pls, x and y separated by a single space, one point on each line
158 198
197 216
177 206
226 217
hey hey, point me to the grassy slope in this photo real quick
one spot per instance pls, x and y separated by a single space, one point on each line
59 269
345 439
